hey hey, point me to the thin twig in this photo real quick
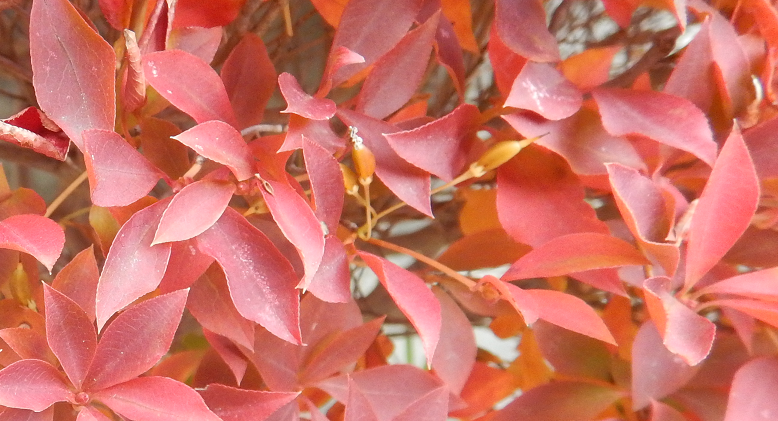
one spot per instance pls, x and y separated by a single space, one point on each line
65 194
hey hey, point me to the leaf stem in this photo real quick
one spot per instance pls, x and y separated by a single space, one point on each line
65 193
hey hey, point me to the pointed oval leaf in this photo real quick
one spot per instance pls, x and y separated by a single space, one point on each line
542 89
332 282
233 404
220 142
133 266
118 174
261 280
569 312
752 397
760 284
300 103
571 401
725 208
70 333
456 351
326 184
89 413
78 281
185 265
432 406
136 340
358 407
193 210
171 74
521 25
73 69
249 78
414 299
30 128
33 385
41 237
156 398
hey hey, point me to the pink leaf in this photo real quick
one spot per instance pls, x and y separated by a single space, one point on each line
765 311
73 69
339 57
761 285
41 237
572 400
300 103
277 360
13 414
185 265
332 281
752 397
156 398
299 225
326 184
116 12
414 299
521 25
78 281
574 253
249 78
133 81
506 63
198 41
569 312
89 413
30 128
70 333
542 89
441 146
229 353
317 131
27 344
432 406
220 142
136 340
358 407
664 412
260 278
684 332
118 174
518 298
171 72
193 210
32 384
692 77
725 208
396 75
456 351
233 404
133 266
665 118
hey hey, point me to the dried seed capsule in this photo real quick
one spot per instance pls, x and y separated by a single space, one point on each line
349 180
501 153
364 160
20 286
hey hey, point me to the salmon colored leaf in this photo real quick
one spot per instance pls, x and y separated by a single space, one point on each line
229 353
459 13
300 103
397 74
521 25
358 406
261 280
414 299
118 174
40 237
249 78
136 340
155 398
89 413
326 184
539 87
692 77
760 285
505 62
206 14
765 311
518 298
664 412
339 57
28 344
448 52
483 249
684 332
667 119
70 334
725 208
441 146
432 406
220 142
185 265
456 351
569 312
751 396
33 385
133 81
73 69
13 414
198 41
193 210
171 72
232 404
574 253
116 12
30 128
572 400
133 266
332 281
167 154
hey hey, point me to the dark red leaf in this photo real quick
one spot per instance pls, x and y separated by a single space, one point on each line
261 280
332 281
135 340
78 281
725 208
193 210
751 397
571 401
521 25
32 384
171 73
30 128
73 69
300 103
249 78
206 13
692 77
277 360
505 62
41 237
220 142
233 404
456 351
339 57
133 266
572 354
541 88
118 174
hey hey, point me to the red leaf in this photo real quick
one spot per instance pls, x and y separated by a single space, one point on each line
751 397
692 77
116 12
30 128
89 413
206 14
332 281
663 412
73 69
27 344
198 41
155 398
432 406
277 360
396 75
78 281
300 103
358 407
220 142
542 89
133 266
133 80
521 25
763 310
136 340
249 79
667 119
164 152
13 414
414 299
32 384
448 50
574 253
233 404
456 351
569 312
571 401
571 354
41 237
339 57
515 296
725 208
193 210
505 62
684 332
118 174
326 184
70 333
229 353
317 131
256 273
171 73
299 225
761 285
441 146
185 265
